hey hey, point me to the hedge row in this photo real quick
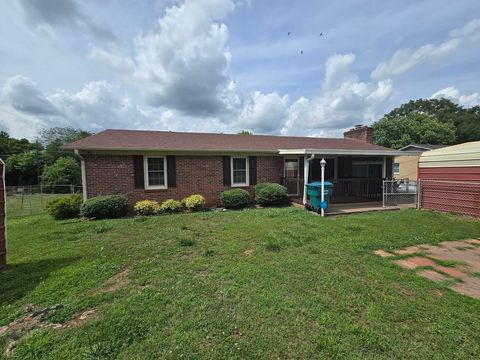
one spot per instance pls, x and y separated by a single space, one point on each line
115 206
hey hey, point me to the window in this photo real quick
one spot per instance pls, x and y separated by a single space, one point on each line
239 174
155 172
396 167
291 168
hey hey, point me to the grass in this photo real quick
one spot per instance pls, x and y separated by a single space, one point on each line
317 291
19 205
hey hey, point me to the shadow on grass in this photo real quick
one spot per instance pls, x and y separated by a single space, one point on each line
18 280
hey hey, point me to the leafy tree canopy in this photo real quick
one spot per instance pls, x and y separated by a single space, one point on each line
11 146
466 121
245 132
64 171
54 138
23 168
402 130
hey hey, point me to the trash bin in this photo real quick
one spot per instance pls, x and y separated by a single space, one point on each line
314 191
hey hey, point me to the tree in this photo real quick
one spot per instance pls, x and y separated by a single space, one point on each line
466 121
11 146
54 138
245 132
402 130
23 168
65 171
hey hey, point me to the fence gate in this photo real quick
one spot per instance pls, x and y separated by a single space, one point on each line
403 193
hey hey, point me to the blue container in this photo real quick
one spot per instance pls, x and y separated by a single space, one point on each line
314 190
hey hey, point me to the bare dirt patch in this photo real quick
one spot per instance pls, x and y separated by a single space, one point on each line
114 283
457 261
35 320
248 252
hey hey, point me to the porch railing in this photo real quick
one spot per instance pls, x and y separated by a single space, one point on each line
344 190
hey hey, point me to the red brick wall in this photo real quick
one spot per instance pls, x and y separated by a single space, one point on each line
108 175
360 133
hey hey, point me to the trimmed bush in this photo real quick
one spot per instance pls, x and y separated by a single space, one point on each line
235 199
171 206
65 207
270 194
194 202
147 207
105 207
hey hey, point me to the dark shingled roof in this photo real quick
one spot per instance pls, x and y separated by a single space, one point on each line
186 141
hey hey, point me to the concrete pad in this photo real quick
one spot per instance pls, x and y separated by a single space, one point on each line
382 253
414 262
470 287
451 271
432 275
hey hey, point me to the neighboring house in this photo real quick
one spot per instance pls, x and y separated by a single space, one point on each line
406 166
451 178
160 164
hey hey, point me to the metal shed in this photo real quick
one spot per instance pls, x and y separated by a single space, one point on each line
3 223
450 179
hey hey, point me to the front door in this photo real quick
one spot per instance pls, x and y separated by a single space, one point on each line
292 175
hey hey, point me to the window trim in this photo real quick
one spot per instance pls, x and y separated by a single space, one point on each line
247 175
145 172
398 167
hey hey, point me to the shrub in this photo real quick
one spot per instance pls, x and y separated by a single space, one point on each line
235 199
147 207
194 202
105 207
65 207
270 194
171 206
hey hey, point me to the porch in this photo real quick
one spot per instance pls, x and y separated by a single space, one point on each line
357 176
351 208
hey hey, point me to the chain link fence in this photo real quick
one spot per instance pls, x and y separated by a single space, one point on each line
400 193
31 199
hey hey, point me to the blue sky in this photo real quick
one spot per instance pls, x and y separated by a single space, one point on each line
225 65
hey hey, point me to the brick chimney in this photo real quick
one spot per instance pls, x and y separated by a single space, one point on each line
361 133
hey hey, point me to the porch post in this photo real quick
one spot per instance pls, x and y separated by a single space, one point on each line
305 178
384 167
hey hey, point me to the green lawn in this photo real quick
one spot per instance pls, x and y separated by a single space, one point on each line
311 287
28 204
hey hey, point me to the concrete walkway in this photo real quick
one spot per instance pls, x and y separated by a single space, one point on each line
455 261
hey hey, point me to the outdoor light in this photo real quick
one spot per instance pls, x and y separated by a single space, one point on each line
322 164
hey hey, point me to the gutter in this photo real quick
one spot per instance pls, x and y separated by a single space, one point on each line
84 174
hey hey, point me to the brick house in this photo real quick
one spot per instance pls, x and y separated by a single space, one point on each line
159 164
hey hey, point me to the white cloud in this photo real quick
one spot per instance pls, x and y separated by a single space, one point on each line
45 14
96 106
406 59
24 95
343 101
114 58
182 62
453 94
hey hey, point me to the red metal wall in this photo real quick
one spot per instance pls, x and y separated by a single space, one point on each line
3 237
452 189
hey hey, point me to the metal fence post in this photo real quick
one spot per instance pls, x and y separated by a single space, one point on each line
383 193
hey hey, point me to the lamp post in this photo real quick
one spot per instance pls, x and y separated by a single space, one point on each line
322 189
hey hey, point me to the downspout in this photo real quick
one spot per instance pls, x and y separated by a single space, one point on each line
306 168
84 174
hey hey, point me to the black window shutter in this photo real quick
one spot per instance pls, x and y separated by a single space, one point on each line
226 171
252 170
138 172
171 171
